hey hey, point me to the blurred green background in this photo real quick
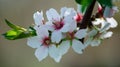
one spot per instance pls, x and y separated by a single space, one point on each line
18 54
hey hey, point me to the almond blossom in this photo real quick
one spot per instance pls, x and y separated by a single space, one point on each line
106 21
73 40
77 29
60 23
73 37
95 36
43 45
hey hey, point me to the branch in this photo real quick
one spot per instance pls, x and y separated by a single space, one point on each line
87 16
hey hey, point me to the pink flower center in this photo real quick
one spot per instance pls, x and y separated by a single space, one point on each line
46 41
71 35
58 25
78 17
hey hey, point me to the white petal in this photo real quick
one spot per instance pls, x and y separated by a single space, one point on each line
78 46
92 33
105 27
34 42
52 15
41 53
107 12
112 21
54 53
63 11
115 8
65 28
81 33
106 35
42 31
38 18
56 36
49 26
98 21
110 11
95 43
69 19
70 12
64 46
73 26
88 41
70 24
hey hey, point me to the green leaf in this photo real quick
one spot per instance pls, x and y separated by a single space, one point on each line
105 2
19 34
14 26
84 3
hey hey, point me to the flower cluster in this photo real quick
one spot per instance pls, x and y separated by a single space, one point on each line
55 36
69 28
61 31
101 25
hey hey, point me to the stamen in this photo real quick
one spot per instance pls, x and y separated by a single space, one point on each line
46 41
58 25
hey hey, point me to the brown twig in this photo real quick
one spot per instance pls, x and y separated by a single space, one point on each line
87 17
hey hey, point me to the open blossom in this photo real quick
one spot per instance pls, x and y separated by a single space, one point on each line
77 45
106 23
97 41
95 37
60 23
108 11
43 45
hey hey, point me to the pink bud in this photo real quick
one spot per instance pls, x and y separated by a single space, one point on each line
78 17
99 8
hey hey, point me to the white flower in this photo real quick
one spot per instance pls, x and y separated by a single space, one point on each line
43 44
105 24
77 45
95 41
60 24
90 40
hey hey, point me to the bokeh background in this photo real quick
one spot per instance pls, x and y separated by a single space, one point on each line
18 54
